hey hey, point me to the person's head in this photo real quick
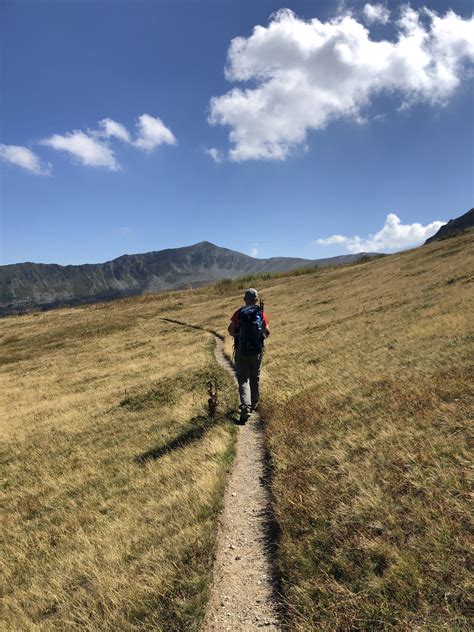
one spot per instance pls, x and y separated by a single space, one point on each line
251 296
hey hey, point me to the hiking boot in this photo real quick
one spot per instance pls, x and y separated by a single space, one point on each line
245 412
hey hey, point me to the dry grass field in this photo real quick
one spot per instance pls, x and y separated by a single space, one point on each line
368 402
113 474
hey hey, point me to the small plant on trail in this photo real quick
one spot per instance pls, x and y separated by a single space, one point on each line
213 401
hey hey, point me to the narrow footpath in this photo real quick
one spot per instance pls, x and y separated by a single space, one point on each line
243 594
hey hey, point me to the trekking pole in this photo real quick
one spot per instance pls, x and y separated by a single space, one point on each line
262 307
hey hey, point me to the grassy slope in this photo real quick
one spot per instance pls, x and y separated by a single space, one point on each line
370 449
113 474
365 397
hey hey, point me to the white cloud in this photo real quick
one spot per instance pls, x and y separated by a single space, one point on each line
393 236
332 241
112 128
306 74
376 13
152 132
93 148
25 158
215 154
254 252
88 150
123 230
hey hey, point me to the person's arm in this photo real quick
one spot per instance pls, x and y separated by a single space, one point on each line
233 328
265 327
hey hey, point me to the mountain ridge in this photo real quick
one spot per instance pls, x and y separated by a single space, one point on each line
29 285
453 227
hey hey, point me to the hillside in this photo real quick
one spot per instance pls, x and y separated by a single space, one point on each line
37 285
115 475
454 227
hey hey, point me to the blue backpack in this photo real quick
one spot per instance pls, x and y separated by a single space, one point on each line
250 338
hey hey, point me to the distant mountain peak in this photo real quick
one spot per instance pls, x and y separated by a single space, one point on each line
205 243
30 285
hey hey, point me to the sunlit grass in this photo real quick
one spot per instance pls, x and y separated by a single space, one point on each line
367 400
114 472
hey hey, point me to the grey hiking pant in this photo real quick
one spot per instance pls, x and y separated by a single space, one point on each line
247 369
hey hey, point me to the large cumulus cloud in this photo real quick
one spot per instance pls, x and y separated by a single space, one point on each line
303 74
392 236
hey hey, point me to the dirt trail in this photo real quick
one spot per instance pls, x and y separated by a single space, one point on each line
243 594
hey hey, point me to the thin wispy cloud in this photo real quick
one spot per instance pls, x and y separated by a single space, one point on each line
24 158
110 128
392 236
306 74
215 154
93 148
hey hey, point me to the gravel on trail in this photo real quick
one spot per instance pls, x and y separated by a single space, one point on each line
243 594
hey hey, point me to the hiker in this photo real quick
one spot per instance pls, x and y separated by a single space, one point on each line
249 328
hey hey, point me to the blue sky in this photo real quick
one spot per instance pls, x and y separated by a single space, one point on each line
321 138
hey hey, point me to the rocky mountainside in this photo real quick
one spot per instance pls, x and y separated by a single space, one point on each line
27 285
454 227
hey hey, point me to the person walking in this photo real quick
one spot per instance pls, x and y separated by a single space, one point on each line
249 328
